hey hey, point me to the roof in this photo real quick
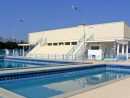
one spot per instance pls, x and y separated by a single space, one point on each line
23 44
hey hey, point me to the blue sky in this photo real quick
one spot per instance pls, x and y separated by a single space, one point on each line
52 14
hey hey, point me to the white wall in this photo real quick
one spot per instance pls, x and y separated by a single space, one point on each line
59 35
127 31
107 31
103 52
97 53
34 37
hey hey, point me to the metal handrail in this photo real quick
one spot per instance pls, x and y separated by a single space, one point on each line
43 41
80 51
75 46
78 44
40 41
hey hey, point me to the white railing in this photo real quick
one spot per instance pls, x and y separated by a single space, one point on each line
55 57
82 49
79 49
41 41
76 46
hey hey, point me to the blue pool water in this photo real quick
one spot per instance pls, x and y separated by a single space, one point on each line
12 63
63 83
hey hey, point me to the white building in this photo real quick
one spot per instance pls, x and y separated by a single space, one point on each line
99 41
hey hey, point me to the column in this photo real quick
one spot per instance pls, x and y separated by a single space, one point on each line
127 51
118 47
23 51
122 49
13 52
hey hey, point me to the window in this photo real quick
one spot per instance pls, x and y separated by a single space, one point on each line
67 43
54 44
61 43
94 47
49 44
74 43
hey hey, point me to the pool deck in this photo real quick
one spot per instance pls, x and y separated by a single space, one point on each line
119 89
47 68
43 68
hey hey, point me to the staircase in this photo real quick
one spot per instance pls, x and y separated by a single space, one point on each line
41 42
78 50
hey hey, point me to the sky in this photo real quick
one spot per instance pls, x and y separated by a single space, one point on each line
40 15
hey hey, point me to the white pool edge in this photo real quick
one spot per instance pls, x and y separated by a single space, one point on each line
8 94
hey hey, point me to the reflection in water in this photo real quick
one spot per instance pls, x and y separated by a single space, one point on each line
96 79
84 82
21 64
7 64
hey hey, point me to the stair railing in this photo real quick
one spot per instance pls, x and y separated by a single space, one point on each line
82 49
79 42
41 41
76 46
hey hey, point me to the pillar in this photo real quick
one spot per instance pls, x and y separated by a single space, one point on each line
118 47
127 51
122 49
13 52
23 51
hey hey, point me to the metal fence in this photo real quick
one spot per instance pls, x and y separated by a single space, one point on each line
74 57
9 52
19 53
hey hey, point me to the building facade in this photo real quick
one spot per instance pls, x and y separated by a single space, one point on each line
98 41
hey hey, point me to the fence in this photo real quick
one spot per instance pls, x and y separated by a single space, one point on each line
19 53
9 52
74 57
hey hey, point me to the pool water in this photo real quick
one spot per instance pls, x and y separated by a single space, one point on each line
4 64
57 84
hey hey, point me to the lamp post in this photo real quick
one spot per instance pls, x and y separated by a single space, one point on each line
80 12
13 35
24 22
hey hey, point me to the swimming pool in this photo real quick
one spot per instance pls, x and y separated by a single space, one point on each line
9 63
65 82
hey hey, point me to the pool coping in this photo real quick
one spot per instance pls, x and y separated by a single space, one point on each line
40 62
46 68
8 94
